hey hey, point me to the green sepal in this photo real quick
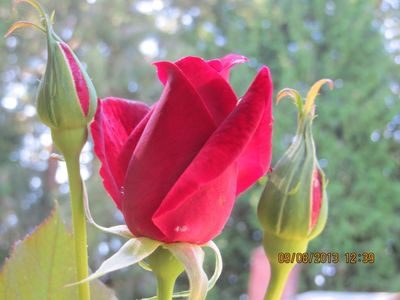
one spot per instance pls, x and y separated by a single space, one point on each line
285 205
133 251
192 257
58 104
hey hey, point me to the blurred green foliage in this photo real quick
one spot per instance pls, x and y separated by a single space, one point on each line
353 42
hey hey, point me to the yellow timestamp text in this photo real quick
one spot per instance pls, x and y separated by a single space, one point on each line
326 257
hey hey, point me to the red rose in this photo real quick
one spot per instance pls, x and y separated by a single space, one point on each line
175 169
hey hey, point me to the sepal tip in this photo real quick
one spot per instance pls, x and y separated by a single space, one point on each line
293 94
22 24
307 106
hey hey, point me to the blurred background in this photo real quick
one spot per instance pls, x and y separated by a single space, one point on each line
354 42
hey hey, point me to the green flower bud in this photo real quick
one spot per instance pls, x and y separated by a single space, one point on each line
66 98
294 202
293 208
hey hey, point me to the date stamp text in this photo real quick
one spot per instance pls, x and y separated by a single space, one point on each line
326 257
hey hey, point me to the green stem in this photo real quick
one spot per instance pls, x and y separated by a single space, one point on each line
166 268
277 282
79 226
70 143
165 287
280 270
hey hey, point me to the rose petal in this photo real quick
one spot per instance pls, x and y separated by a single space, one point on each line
114 120
203 215
223 148
80 83
215 91
316 200
176 131
224 64
130 145
256 158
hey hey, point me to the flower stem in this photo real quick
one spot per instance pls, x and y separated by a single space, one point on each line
278 279
280 270
70 143
166 268
165 287
79 226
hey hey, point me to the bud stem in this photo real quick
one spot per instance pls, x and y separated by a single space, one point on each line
79 226
165 288
166 268
70 144
278 279
280 271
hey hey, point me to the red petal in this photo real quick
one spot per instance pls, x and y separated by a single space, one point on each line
114 120
80 82
223 148
256 158
317 195
224 64
176 131
203 215
130 145
215 92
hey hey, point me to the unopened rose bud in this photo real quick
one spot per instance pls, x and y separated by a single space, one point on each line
294 205
66 98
